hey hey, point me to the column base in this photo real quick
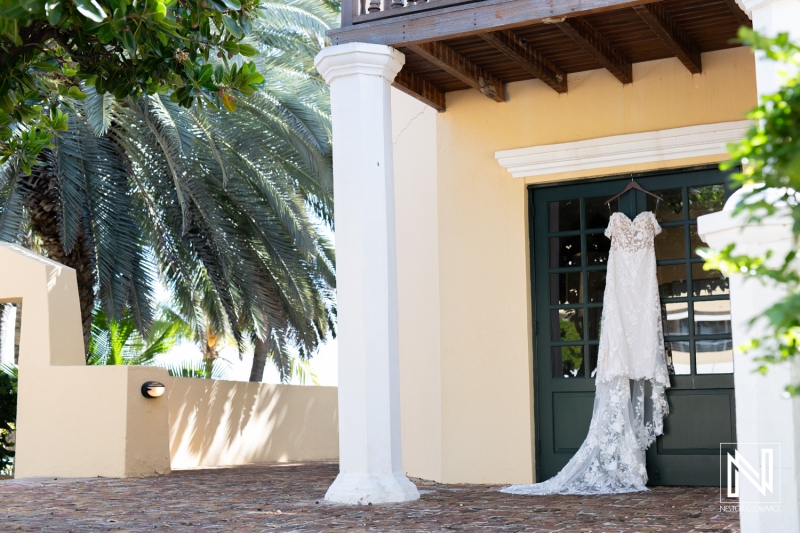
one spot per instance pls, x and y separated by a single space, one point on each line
363 489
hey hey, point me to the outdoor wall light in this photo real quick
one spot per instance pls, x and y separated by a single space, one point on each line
153 389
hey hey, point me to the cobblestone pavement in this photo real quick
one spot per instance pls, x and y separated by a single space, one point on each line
288 498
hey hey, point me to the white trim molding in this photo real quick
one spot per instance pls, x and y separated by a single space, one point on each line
353 59
618 150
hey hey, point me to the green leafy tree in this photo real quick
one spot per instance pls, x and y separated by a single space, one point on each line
52 49
222 206
770 159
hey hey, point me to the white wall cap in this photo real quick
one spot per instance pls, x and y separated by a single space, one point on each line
619 150
358 58
723 227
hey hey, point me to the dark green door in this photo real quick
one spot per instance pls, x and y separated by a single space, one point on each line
570 254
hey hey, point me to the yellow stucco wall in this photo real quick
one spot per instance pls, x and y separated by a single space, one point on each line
463 273
218 423
74 420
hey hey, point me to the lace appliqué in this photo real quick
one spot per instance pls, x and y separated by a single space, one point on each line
632 235
631 360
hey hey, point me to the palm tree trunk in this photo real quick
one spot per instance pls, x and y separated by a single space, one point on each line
17 330
260 353
41 201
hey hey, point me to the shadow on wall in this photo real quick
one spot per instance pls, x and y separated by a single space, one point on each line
216 423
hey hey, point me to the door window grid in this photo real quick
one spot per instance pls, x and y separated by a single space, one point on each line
575 311
696 316
575 326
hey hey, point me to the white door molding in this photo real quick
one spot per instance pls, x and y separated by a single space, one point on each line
618 150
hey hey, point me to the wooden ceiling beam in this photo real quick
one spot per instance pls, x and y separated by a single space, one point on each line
513 47
462 68
679 43
740 15
585 35
421 89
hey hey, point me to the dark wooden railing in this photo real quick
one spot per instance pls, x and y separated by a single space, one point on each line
358 11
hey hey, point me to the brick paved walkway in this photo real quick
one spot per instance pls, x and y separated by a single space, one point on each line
289 498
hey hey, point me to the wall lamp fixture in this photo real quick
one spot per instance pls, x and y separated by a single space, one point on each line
153 389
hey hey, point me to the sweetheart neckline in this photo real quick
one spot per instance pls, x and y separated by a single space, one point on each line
620 213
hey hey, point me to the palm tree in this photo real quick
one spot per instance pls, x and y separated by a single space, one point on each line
117 342
223 207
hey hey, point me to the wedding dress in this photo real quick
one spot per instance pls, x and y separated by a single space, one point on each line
631 358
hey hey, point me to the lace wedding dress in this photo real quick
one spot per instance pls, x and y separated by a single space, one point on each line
631 359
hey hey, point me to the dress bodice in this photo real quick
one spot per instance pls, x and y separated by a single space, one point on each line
631 340
632 235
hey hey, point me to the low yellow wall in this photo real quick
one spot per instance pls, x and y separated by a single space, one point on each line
89 421
216 423
463 272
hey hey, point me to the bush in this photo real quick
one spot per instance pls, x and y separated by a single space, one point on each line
8 418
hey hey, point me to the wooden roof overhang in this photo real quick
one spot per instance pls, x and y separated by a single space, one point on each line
452 45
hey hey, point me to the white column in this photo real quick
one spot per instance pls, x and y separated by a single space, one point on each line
763 413
360 77
771 17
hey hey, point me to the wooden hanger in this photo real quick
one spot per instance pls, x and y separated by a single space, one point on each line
632 185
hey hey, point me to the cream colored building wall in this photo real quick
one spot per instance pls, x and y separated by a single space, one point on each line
416 199
465 303
217 423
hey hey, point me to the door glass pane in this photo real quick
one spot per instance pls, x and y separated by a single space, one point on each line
678 351
598 247
565 288
712 317
714 357
598 213
568 361
566 324
675 318
708 282
597 285
695 241
594 350
706 199
564 215
670 244
671 280
595 316
671 208
565 251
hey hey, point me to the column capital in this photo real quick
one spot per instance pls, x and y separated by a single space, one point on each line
351 59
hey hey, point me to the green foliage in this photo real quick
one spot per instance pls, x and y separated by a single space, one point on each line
770 159
8 416
571 356
117 342
51 50
217 368
222 207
